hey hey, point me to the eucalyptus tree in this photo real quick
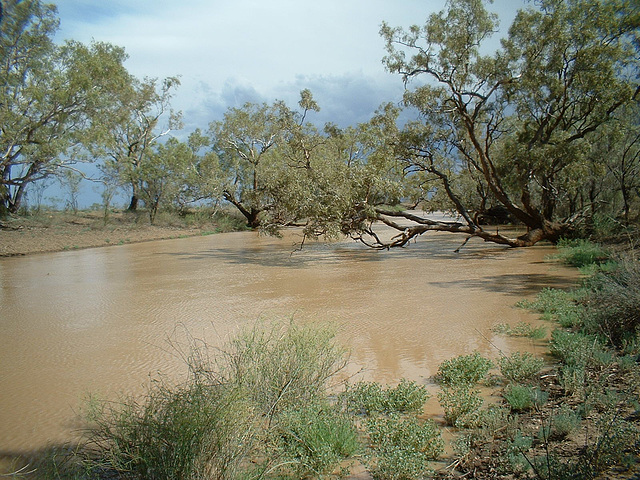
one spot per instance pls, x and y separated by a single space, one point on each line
135 124
515 123
50 96
177 173
246 142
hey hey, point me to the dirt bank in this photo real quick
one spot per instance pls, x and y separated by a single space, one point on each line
56 231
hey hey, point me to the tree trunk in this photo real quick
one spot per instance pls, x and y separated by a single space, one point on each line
133 205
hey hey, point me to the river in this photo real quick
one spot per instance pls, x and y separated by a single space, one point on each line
105 321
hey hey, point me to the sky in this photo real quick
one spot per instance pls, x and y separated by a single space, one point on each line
228 52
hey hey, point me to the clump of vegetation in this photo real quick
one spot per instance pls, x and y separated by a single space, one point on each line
402 447
613 306
520 367
581 252
262 399
314 439
556 305
463 370
521 329
461 405
521 398
370 398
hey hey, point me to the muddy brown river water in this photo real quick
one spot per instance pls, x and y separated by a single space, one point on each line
102 321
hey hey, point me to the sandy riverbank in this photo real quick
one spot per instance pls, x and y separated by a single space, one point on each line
57 231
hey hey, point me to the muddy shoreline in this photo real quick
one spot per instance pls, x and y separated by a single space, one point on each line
57 232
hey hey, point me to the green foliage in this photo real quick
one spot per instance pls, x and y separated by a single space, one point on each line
520 367
314 439
463 370
370 398
613 306
517 451
264 394
521 398
574 348
53 97
461 405
557 305
282 364
521 329
402 448
580 253
564 423
192 431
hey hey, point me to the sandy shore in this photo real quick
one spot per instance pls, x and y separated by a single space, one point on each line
59 232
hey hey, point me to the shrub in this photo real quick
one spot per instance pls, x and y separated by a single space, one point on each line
574 348
580 252
461 405
229 408
557 305
192 431
521 398
521 329
314 439
402 448
282 364
520 367
369 398
463 370
613 308
564 423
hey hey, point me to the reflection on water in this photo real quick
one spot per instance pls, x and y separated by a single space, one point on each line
100 321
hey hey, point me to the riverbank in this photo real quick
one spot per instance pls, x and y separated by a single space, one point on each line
60 231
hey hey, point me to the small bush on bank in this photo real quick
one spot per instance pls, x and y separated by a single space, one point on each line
463 370
262 399
401 448
461 404
580 252
559 306
370 398
313 440
521 398
521 329
613 307
520 367
282 365
197 430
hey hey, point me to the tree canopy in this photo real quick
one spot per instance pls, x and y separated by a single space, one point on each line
540 130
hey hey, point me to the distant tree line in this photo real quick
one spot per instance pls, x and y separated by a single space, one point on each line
544 132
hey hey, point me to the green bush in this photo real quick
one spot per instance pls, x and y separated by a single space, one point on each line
461 405
575 349
195 430
402 448
557 305
314 439
613 307
521 398
282 364
520 367
580 252
521 329
369 398
564 423
463 370
245 404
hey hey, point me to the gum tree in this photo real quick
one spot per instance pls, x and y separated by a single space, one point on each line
50 95
515 123
135 124
248 142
